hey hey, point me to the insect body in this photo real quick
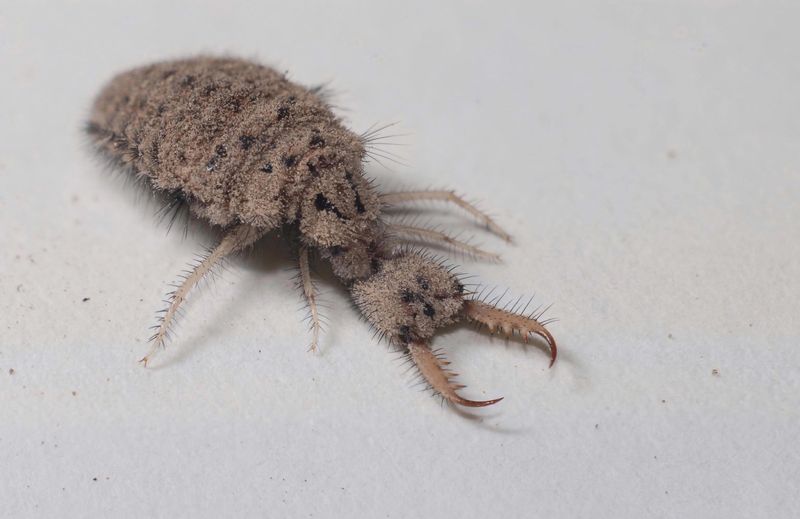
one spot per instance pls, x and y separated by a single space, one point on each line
249 151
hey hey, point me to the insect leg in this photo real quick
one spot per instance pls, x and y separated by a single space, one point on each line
309 291
434 236
509 323
450 197
432 367
234 240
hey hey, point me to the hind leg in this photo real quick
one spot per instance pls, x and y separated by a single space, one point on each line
233 241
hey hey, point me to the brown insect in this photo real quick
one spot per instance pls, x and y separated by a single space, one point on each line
251 152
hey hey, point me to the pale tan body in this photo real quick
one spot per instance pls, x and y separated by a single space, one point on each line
250 151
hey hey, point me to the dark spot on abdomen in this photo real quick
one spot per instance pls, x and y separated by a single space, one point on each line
323 204
359 205
405 334
245 141
154 151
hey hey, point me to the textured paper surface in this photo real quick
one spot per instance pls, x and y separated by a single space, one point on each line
646 160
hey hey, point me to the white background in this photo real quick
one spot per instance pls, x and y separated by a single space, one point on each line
646 158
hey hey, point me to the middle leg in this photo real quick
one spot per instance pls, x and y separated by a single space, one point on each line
310 293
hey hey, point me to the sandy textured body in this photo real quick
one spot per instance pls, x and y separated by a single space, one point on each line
249 151
237 140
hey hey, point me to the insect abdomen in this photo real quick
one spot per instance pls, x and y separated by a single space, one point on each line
229 135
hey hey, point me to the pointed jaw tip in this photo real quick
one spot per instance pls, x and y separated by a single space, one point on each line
551 342
432 368
475 403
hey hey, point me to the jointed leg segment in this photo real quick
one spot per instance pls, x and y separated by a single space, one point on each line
310 294
234 240
435 236
446 196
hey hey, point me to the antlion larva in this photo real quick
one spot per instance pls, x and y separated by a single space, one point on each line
250 152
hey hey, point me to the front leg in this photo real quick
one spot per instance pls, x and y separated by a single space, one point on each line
450 197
